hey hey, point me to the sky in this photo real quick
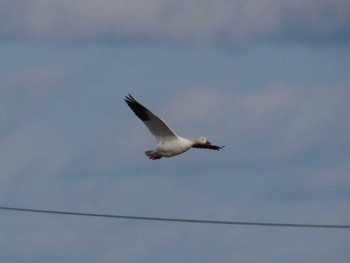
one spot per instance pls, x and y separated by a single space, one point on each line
268 79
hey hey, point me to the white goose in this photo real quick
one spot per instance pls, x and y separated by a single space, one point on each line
169 143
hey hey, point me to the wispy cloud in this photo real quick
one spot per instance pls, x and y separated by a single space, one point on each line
276 122
225 22
23 93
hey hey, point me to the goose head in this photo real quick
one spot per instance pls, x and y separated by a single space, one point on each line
204 143
201 141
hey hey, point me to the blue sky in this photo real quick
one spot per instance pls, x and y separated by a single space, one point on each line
268 79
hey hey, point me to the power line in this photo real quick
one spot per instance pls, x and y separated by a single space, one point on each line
177 220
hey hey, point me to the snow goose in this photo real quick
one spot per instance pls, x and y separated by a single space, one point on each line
169 143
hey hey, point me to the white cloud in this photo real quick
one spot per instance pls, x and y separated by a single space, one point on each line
220 21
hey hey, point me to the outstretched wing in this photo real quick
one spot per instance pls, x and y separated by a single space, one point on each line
160 130
208 146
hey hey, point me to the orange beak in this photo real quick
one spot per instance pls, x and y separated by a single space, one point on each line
207 142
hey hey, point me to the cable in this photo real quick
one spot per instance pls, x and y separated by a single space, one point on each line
178 220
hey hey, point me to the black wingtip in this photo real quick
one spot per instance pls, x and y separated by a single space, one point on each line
137 108
208 146
218 148
129 98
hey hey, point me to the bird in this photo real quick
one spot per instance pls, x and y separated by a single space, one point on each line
169 144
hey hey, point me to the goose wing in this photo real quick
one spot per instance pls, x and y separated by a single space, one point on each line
208 146
160 130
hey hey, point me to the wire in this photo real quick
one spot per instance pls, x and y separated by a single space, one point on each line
178 220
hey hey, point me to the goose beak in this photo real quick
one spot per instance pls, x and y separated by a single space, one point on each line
208 142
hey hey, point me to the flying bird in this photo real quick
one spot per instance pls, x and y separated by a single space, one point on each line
169 143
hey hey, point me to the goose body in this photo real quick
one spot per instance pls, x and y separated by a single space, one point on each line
168 142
